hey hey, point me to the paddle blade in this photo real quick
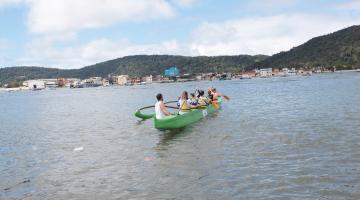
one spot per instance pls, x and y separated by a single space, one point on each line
215 105
226 97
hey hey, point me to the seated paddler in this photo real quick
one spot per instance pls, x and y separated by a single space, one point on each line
193 100
185 103
203 101
160 109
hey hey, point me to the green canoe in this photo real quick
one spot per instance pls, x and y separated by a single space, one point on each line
179 121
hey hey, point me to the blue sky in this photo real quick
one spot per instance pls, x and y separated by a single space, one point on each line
73 34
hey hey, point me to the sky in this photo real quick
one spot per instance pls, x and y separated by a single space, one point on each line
72 34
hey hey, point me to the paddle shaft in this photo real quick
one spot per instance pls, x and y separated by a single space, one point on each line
154 106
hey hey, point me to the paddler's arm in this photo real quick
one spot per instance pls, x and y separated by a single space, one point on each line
163 109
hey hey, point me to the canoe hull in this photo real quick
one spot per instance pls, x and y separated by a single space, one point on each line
180 121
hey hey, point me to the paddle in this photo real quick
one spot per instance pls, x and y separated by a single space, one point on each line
226 97
215 105
144 116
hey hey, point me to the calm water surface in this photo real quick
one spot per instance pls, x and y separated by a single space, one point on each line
276 138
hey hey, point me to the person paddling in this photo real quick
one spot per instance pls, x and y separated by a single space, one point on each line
210 95
160 109
214 94
193 100
184 103
203 101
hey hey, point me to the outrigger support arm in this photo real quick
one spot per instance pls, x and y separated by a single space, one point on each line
144 116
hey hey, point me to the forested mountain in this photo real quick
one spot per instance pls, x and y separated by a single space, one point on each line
139 65
340 49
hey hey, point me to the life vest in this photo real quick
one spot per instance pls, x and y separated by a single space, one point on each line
194 101
203 101
184 106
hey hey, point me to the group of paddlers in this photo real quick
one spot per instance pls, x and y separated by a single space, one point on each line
185 104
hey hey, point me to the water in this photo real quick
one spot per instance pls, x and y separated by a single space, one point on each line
276 138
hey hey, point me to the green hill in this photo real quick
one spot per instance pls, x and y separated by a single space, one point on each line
139 65
340 49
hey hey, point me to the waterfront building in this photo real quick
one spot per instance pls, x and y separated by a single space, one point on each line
35 84
61 82
247 74
264 73
147 79
135 80
292 72
172 72
276 72
122 79
208 76
91 82
50 83
105 83
157 79
95 80
285 71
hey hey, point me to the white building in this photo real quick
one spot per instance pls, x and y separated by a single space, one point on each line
72 82
95 80
147 79
50 83
35 84
264 73
123 79
292 72
285 71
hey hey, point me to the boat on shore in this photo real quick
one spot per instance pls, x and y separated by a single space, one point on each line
179 121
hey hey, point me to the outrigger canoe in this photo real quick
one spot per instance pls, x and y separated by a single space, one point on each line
179 121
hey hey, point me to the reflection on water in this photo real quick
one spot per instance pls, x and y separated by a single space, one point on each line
169 136
294 137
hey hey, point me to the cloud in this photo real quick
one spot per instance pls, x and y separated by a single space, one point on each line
352 5
43 53
4 3
68 16
263 35
184 3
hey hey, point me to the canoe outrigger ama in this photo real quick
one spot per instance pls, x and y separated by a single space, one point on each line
179 121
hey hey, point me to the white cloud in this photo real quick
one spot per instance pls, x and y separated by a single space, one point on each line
43 53
352 5
184 3
4 3
263 35
68 16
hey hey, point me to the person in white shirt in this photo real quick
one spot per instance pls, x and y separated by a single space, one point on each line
184 103
160 109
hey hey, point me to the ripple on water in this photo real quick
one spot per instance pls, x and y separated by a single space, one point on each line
282 138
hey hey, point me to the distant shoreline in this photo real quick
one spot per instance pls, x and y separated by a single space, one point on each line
167 82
